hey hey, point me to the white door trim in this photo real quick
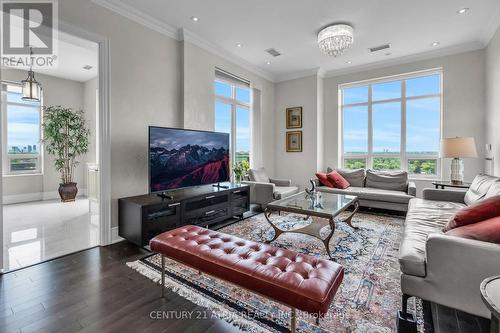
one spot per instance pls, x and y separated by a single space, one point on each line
104 127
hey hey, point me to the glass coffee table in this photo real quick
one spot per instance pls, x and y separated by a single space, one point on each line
322 208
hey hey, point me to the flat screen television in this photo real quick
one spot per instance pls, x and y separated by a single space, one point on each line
183 158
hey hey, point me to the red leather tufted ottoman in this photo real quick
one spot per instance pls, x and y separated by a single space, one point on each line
297 280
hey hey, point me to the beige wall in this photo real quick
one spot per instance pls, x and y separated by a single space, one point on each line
297 166
56 91
493 101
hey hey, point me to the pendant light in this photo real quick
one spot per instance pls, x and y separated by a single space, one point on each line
31 88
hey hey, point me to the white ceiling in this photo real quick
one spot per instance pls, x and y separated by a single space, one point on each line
291 27
72 54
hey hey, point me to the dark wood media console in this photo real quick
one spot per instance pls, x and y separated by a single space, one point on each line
144 216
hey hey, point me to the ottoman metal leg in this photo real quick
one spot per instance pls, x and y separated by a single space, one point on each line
162 276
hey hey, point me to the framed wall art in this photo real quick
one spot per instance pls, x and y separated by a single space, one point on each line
294 117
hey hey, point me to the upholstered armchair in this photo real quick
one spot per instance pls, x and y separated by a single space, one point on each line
263 189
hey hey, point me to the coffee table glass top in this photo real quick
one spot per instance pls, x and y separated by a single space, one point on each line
326 205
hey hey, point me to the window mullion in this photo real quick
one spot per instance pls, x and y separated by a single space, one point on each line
369 158
404 162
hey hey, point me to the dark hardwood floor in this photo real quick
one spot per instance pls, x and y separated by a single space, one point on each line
94 291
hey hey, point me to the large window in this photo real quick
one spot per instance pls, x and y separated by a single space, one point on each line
20 132
393 124
232 115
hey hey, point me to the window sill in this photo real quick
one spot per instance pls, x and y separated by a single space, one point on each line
430 179
22 175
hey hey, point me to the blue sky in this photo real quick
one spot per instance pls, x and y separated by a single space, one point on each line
223 115
422 117
22 122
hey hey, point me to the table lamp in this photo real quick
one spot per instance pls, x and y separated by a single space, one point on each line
458 148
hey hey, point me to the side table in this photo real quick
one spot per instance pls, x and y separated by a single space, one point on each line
490 293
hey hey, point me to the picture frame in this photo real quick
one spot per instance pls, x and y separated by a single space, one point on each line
294 117
294 141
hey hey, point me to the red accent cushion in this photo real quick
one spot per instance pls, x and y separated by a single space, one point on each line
323 179
480 211
486 231
337 180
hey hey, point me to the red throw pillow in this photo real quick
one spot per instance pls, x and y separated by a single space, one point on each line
323 179
337 180
486 231
480 211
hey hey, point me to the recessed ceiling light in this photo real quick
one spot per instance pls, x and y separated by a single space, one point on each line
194 18
239 45
87 67
348 62
435 44
268 62
462 10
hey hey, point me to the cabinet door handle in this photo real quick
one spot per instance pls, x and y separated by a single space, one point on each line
238 191
210 197
174 204
210 212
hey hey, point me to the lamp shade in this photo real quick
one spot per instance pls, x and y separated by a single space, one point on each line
458 147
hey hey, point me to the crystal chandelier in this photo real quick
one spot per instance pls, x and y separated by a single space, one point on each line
335 39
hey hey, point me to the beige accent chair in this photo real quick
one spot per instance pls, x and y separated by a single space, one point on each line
264 190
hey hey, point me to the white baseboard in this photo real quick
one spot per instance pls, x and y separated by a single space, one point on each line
19 198
37 196
114 236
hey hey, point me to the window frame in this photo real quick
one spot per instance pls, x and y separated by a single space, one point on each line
403 155
234 103
6 157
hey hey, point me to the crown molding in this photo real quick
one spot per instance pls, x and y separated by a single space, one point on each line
490 29
181 34
138 16
189 36
300 74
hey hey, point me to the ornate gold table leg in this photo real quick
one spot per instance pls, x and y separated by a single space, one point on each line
348 220
326 241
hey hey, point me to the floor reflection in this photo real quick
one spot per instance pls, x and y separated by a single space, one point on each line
41 230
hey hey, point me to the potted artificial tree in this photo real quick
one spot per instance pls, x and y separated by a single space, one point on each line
66 137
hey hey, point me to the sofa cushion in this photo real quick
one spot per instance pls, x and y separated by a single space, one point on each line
323 179
486 231
494 190
478 189
281 192
258 175
354 177
424 217
372 194
337 180
480 211
395 181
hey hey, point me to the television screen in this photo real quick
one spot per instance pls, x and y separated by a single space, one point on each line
181 158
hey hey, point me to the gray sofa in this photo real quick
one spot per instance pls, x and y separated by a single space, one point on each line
375 189
444 269
264 190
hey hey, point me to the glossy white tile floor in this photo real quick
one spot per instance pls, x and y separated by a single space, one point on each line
42 230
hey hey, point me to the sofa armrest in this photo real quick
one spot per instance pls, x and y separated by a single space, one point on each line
260 193
456 266
412 189
281 182
444 195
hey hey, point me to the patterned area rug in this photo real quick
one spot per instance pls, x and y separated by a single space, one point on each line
367 300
